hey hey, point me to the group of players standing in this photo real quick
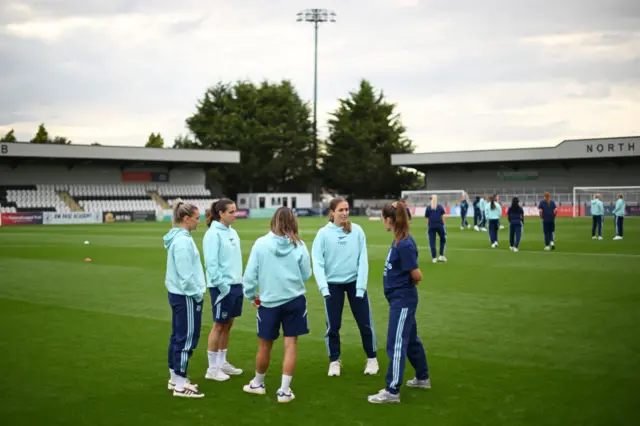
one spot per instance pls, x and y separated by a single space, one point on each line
487 210
279 264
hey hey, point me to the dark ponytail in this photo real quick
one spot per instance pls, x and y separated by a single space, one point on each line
399 218
493 202
213 213
514 203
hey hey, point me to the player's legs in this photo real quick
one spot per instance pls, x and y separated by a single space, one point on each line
442 233
361 309
518 235
493 230
600 224
187 333
594 224
397 342
294 324
432 242
415 351
172 338
512 235
333 306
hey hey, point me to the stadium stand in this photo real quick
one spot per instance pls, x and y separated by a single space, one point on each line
74 178
528 173
31 197
100 197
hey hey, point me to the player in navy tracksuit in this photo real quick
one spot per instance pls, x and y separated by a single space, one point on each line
515 213
477 214
435 226
464 208
548 212
401 275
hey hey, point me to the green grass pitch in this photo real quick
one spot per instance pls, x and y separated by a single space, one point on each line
528 338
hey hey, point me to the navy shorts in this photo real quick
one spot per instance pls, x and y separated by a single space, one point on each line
230 307
292 316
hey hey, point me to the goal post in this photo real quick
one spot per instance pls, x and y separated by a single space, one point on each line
582 196
449 198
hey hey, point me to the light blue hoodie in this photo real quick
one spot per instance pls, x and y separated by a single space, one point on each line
340 258
619 209
495 213
222 258
278 268
597 208
184 271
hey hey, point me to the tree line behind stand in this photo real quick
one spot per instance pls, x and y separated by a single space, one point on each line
271 126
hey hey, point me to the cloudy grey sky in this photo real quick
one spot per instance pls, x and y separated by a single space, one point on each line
465 74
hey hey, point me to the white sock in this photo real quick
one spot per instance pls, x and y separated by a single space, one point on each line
259 379
222 357
172 374
213 359
180 381
286 382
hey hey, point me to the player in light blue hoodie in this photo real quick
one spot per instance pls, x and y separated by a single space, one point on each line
223 263
597 214
341 267
493 212
279 264
186 286
618 217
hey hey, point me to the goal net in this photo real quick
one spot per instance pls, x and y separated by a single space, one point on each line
582 196
449 198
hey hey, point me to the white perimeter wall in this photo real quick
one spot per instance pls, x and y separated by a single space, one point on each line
43 174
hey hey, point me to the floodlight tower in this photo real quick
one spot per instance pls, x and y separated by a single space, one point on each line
316 16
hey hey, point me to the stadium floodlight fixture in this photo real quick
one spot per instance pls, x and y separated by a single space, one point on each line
316 16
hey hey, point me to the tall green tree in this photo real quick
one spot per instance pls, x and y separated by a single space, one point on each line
363 133
61 140
155 141
42 136
184 142
9 137
268 123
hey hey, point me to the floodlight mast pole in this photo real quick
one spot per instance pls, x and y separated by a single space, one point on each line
316 16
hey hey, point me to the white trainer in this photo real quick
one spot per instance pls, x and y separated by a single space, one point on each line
515 249
217 375
435 260
547 248
594 238
230 370
372 367
334 368
384 397
617 237
442 259
600 238
189 391
422 384
462 227
476 228
255 389
285 395
172 385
